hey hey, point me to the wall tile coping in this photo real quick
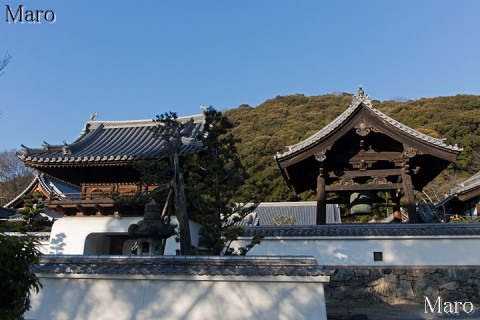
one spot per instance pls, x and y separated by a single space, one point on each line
303 266
373 229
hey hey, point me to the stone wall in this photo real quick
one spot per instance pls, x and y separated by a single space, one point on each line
404 285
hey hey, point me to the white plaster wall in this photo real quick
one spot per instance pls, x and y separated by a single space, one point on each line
178 297
358 251
69 233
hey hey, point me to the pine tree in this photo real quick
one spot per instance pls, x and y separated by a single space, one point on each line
214 178
171 131
32 205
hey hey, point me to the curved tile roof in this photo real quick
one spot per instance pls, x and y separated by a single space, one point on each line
469 184
358 101
182 265
107 142
368 230
51 185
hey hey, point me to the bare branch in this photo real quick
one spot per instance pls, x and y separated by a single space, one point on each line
14 176
4 62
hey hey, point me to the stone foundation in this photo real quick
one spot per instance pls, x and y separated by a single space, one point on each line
404 285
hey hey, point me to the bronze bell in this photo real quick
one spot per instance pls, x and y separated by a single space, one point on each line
361 202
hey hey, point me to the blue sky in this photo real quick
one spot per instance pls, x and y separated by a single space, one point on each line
135 59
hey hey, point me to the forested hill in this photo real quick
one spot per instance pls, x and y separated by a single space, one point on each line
286 120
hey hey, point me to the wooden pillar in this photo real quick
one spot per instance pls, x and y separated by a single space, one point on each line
409 195
321 199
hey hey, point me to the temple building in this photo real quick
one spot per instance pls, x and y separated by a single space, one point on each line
46 187
99 168
94 182
359 154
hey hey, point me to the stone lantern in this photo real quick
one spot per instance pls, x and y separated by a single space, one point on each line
151 232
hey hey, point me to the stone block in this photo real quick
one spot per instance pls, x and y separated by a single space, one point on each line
458 274
399 271
386 286
439 278
405 290
450 286
452 296
475 274
431 270
417 272
359 293
343 275
340 292
373 282
425 288
376 273
362 273
405 277
468 291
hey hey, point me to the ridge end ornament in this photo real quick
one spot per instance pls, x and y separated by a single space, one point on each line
361 97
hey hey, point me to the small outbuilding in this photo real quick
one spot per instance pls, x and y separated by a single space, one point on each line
363 151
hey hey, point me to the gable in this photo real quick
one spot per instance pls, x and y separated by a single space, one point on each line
360 139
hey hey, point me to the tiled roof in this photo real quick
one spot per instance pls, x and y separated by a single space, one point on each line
358 101
40 236
182 265
51 185
107 142
467 185
368 230
303 213
58 188
6 212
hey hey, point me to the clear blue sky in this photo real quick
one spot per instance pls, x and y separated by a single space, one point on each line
135 59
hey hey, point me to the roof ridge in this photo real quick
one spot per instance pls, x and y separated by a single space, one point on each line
468 184
98 143
137 123
358 100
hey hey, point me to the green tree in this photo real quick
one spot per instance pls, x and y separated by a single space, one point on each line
17 255
32 205
214 180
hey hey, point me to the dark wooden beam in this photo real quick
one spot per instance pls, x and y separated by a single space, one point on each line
363 187
348 174
377 156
